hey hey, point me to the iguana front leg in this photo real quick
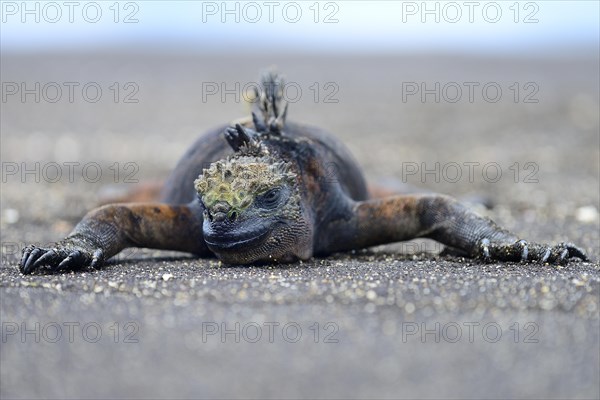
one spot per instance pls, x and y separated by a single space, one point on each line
107 230
441 218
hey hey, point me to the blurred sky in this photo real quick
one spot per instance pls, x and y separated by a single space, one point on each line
524 27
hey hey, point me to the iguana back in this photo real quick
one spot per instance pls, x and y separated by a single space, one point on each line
337 163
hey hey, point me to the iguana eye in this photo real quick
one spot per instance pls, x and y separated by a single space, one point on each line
269 199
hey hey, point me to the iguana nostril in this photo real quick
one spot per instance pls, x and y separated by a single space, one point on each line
233 216
219 217
221 207
220 211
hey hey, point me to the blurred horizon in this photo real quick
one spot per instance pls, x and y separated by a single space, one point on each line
524 28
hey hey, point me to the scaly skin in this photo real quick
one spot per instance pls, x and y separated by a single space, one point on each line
271 191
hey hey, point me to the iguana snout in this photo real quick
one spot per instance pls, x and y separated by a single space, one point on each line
220 211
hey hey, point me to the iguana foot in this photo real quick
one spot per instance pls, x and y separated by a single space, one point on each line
523 251
67 254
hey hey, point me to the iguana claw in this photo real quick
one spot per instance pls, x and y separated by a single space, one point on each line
521 250
67 254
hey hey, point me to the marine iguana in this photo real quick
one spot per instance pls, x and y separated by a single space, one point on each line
261 191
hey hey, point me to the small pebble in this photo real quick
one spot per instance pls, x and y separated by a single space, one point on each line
587 214
10 216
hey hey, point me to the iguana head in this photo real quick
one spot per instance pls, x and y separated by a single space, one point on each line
252 204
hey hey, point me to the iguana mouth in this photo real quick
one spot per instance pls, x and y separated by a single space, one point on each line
225 243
